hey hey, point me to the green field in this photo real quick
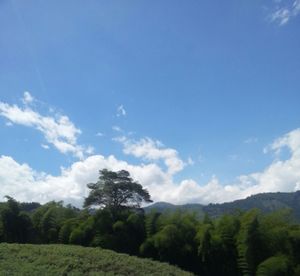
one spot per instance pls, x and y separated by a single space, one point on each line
25 259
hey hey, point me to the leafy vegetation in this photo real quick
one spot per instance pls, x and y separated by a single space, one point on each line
116 190
240 243
20 259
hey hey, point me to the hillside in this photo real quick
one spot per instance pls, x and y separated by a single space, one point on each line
20 259
267 202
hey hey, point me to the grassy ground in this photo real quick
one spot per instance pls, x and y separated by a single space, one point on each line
25 259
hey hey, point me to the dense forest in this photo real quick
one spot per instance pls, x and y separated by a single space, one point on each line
243 243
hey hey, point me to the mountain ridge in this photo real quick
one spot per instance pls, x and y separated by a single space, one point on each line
266 202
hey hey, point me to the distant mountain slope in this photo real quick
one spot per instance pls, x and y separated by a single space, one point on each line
168 207
266 202
28 259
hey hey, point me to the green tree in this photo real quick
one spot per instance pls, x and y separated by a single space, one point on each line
249 243
15 226
275 266
116 190
210 250
171 238
66 229
49 218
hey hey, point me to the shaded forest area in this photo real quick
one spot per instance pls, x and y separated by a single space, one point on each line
245 243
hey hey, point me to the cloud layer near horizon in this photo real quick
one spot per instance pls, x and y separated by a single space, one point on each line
25 184
156 170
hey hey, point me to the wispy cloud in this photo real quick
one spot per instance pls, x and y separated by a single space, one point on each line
285 12
58 130
116 128
45 146
121 111
90 150
152 150
251 140
290 141
27 98
190 161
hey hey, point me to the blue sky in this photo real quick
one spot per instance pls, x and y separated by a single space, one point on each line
189 97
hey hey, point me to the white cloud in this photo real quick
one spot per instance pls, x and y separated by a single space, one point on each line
290 140
45 146
9 124
151 150
121 111
58 130
27 98
90 150
117 129
99 134
282 15
25 184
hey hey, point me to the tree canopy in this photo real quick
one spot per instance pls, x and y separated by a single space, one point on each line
116 190
244 243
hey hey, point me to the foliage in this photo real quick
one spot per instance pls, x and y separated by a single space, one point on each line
75 260
48 220
248 243
115 190
275 266
174 239
15 226
245 243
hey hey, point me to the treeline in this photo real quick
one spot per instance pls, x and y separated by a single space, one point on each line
247 243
